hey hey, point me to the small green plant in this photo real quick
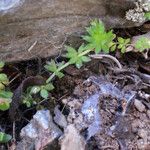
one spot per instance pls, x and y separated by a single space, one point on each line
123 43
43 90
4 138
97 40
142 44
5 96
147 15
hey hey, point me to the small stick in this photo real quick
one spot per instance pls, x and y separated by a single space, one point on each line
14 133
15 78
100 56
32 46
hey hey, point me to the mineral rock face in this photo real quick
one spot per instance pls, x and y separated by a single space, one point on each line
6 5
40 132
31 28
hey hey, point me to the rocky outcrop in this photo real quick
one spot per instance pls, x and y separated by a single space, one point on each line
39 28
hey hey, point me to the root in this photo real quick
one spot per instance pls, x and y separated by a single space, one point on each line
101 56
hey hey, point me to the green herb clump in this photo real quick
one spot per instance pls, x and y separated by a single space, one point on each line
142 44
5 96
97 39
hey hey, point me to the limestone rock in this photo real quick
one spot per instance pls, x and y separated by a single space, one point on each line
139 105
39 28
72 140
40 132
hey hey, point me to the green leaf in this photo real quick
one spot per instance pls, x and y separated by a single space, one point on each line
5 100
28 99
123 49
127 41
52 67
147 15
6 94
82 48
2 86
49 87
4 138
79 63
76 56
121 40
3 77
85 58
142 44
113 48
120 46
44 93
35 89
72 54
98 38
1 64
4 104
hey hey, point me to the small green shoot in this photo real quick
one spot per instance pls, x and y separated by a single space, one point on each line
1 65
98 38
43 90
5 96
77 57
5 99
147 15
122 44
142 44
55 68
4 138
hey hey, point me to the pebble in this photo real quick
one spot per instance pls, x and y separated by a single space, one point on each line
142 145
148 113
143 134
139 105
137 124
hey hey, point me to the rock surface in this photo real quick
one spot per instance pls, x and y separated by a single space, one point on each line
139 106
40 132
72 140
39 28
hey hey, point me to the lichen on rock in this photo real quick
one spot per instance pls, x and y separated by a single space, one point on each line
138 13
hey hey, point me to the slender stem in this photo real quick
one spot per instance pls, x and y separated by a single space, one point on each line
100 56
66 65
59 69
85 52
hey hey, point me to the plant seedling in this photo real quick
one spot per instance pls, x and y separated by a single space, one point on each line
122 44
4 138
142 44
5 96
96 40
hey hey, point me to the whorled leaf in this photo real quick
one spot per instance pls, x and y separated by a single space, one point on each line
142 44
54 68
97 38
77 57
122 44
